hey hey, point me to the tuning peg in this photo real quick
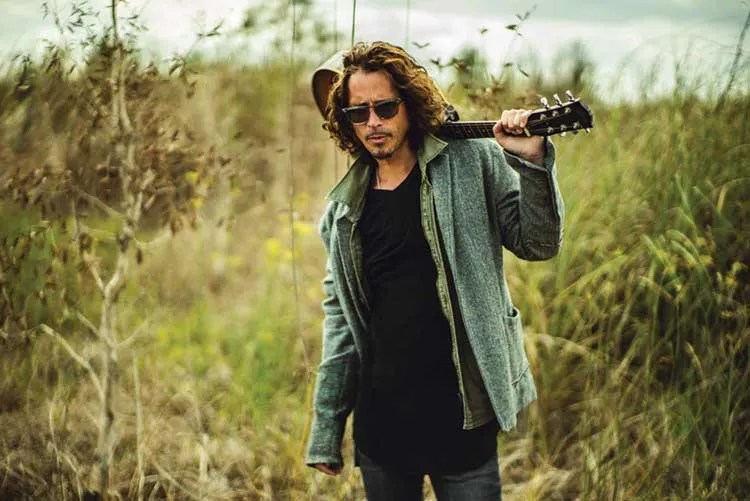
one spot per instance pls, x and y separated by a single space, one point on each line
557 99
570 95
451 114
544 102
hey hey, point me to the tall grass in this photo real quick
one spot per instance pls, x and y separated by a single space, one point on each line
638 332
640 326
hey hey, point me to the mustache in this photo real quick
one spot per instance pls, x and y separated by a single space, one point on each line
378 133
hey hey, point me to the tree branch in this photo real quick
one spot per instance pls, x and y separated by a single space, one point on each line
88 323
165 474
75 356
154 242
117 281
99 203
89 261
99 234
138 430
136 333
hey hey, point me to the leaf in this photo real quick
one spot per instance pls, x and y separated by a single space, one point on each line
175 66
215 30
191 177
196 202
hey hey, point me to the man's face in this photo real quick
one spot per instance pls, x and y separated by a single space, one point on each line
382 137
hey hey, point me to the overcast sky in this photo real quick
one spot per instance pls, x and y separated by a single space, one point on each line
617 33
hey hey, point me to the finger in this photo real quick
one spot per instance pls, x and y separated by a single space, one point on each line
507 122
335 469
520 119
324 468
515 122
504 121
523 118
514 125
498 129
328 469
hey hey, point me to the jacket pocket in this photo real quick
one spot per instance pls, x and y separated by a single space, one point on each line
519 364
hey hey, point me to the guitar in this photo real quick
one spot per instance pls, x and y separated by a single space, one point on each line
571 116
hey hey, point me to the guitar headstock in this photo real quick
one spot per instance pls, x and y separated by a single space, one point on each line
571 116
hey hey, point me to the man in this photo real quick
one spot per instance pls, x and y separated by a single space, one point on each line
420 338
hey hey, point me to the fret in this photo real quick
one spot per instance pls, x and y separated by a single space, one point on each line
466 130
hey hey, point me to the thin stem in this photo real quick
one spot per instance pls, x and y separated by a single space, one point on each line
408 12
99 203
735 63
138 429
298 315
75 356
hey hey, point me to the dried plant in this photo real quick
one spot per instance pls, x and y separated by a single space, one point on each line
122 168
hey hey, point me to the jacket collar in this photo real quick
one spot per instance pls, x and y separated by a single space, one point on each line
351 190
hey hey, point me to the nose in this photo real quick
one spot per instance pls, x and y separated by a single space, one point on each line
373 120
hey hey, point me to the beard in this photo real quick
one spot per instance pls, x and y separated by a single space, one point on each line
386 150
381 154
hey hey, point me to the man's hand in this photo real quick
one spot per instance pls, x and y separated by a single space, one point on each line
328 469
511 136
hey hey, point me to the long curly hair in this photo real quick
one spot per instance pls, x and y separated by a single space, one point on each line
424 102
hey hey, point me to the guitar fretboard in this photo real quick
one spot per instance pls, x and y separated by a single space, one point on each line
466 130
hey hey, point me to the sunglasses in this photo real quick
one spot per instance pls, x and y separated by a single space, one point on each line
384 109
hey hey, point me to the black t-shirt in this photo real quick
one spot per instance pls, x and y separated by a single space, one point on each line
408 414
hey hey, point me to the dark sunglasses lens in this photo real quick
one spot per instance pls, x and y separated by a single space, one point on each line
358 115
387 109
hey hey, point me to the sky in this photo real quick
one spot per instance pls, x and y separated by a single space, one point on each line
625 39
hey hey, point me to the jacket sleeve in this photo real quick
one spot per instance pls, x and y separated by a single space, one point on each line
528 205
336 382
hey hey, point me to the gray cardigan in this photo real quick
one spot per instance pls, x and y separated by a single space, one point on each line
475 198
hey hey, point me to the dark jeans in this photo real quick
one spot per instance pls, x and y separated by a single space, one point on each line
382 484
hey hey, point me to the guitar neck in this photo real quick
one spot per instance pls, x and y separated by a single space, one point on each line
466 130
572 116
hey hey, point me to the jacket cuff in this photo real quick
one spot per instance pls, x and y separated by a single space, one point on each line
324 444
520 164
